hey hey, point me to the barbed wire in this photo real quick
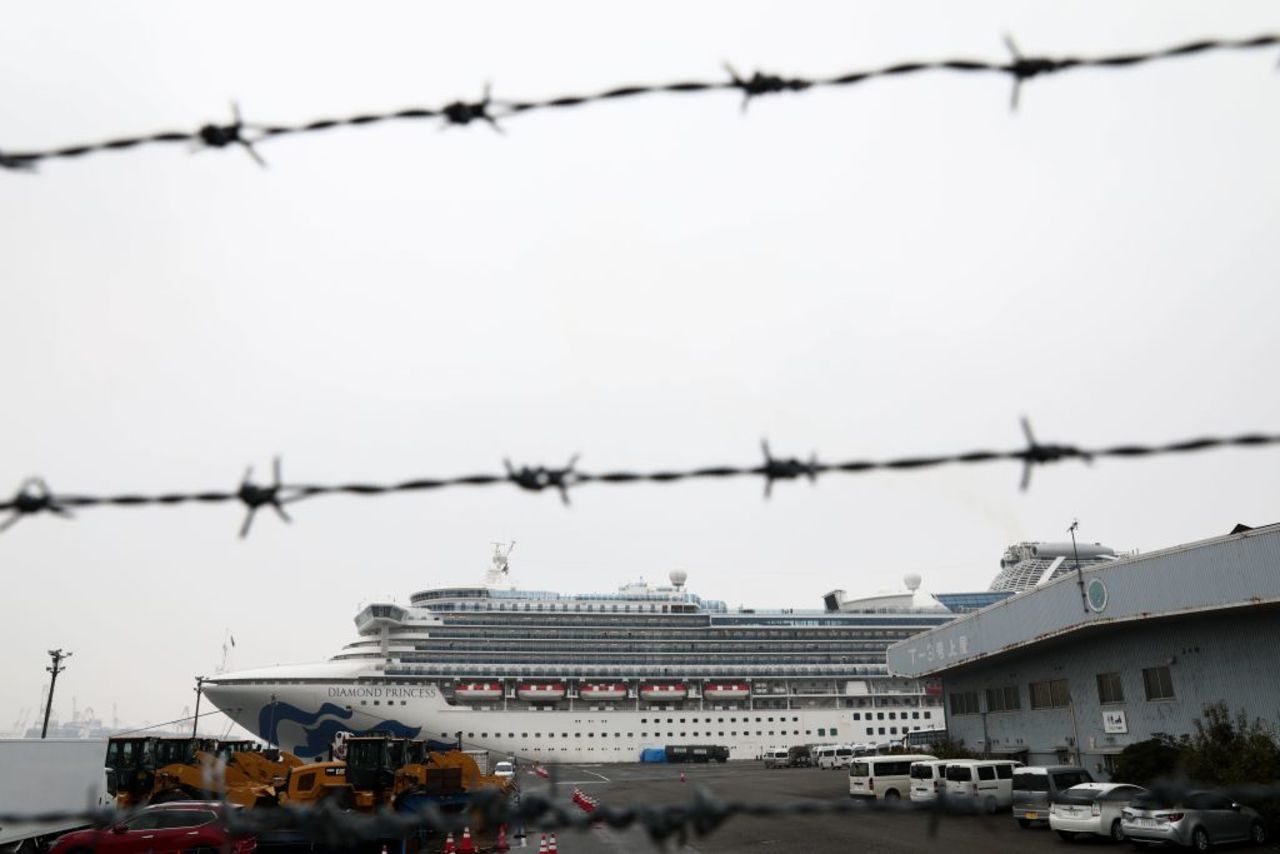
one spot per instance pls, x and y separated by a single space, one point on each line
326 822
490 111
34 496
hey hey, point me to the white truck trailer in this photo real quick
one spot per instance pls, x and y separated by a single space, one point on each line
48 775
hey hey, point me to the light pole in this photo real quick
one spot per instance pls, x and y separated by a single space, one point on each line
195 722
1084 601
58 657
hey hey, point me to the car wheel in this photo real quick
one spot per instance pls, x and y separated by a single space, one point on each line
1258 834
1067 836
1200 839
1024 823
1117 831
891 795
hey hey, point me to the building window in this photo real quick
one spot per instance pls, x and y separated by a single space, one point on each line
964 703
1158 682
1004 699
1054 694
1109 688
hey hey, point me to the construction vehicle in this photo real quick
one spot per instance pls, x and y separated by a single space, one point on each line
157 770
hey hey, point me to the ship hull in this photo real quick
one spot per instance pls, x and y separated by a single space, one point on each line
304 719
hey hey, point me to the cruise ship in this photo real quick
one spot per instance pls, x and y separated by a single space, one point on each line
550 677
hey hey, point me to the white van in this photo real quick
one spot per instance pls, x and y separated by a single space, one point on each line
777 758
928 778
988 783
887 777
832 756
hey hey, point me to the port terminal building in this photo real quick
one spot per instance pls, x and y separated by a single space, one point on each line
1074 669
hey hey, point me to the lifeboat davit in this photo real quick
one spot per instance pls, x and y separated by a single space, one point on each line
541 692
603 691
654 692
478 691
727 691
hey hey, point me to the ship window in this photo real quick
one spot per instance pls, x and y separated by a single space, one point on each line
511 735
695 734
671 735
833 731
795 719
471 735
524 735
928 714
644 735
720 733
770 720
857 716
482 735
770 732
631 735
821 731
564 735
591 735
719 720
735 732
808 732
577 735
644 720
682 734
870 730
376 702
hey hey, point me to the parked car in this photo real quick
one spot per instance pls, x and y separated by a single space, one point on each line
1092 809
1198 819
176 826
777 758
1034 787
799 756
504 769
887 777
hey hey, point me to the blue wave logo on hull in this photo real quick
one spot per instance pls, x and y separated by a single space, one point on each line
320 733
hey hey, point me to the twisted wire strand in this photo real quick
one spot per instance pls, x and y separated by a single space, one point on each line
246 135
35 497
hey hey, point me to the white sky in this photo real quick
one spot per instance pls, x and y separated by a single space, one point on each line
897 268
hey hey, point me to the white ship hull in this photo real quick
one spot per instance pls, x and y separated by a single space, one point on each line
304 718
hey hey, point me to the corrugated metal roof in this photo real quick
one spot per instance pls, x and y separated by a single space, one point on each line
1236 570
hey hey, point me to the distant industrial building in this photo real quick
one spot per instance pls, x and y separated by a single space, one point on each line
1080 666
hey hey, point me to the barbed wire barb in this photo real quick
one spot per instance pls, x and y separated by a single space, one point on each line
1037 454
34 496
255 497
775 468
538 478
220 136
462 112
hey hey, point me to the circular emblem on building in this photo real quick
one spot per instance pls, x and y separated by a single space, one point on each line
1096 593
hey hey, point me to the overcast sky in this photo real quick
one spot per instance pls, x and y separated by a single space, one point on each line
897 268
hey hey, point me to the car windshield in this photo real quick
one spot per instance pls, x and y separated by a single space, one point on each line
859 769
922 772
503 767
1029 782
1067 779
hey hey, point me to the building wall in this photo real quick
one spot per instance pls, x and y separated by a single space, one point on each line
1226 656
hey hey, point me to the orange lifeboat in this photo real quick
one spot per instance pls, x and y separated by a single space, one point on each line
727 691
603 691
654 692
541 692
485 691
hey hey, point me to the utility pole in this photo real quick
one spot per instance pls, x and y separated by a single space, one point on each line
1084 601
58 656
195 722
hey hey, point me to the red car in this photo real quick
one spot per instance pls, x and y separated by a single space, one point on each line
173 827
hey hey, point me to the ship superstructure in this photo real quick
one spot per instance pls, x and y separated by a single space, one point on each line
599 677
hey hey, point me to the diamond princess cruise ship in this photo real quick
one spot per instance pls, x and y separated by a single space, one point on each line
551 677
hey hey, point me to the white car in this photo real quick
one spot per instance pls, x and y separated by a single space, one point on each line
1092 809
504 769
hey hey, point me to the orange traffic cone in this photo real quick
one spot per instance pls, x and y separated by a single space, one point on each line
552 848
501 844
448 844
466 846
542 845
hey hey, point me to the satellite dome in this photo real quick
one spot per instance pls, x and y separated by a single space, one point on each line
678 577
912 581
